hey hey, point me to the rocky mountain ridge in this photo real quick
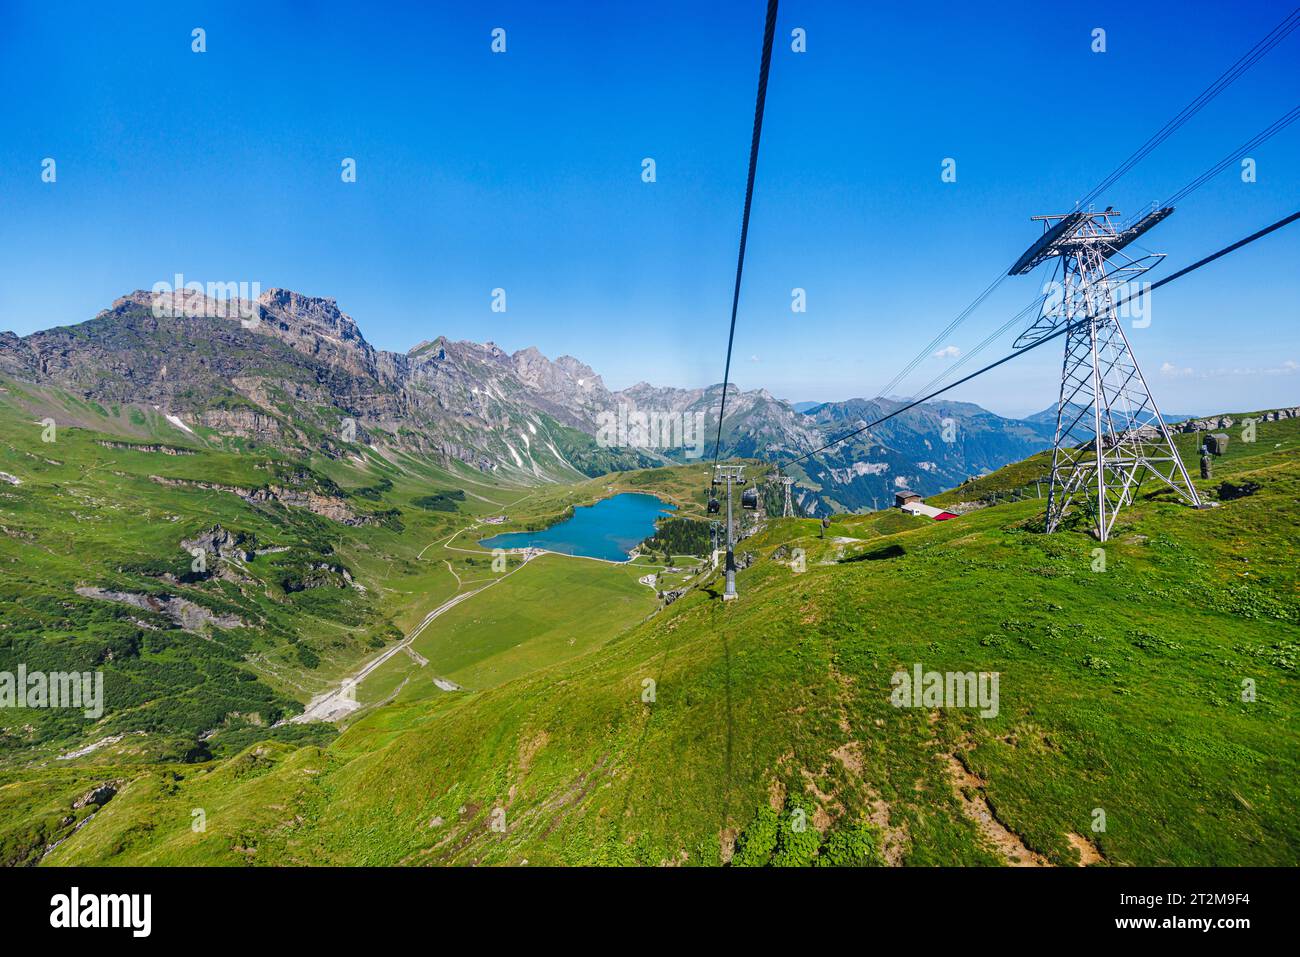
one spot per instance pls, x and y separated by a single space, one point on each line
296 372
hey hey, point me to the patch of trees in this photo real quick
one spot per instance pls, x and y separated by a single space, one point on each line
230 741
372 493
680 536
443 501
164 681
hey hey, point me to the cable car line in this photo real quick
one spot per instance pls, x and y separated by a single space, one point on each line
1229 76
1258 139
961 317
1048 338
1225 79
730 474
759 102
988 341
1222 82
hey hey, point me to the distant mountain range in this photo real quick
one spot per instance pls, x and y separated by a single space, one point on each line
1048 416
301 376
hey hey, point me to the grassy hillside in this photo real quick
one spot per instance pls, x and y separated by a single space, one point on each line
329 562
334 559
1030 477
761 731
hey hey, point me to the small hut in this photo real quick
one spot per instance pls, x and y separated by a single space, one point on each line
905 497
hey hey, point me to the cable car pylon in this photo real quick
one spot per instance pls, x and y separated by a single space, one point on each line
1110 435
729 475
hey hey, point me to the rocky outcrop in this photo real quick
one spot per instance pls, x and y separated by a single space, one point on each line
139 447
327 506
245 422
222 543
320 575
98 796
184 613
1227 421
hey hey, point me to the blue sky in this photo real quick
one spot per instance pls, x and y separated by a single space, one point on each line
522 171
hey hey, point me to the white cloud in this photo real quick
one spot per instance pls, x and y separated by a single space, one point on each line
755 359
1170 369
948 352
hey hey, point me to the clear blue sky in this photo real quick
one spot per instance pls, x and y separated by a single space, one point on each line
523 171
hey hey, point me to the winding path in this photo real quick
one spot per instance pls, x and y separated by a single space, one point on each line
342 701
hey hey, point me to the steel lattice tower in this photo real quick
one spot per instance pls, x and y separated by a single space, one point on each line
1110 435
787 510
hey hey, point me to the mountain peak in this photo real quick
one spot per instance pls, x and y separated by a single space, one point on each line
288 297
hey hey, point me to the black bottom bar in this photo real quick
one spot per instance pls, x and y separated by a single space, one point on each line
366 906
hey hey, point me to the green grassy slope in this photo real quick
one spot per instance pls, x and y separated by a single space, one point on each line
1030 476
761 731
105 500
107 503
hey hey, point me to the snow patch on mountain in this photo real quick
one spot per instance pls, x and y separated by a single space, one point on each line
858 469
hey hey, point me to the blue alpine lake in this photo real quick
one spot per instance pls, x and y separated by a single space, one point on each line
610 529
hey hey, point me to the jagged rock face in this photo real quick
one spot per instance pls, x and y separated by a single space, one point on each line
98 796
315 327
566 383
128 354
13 355
296 372
183 612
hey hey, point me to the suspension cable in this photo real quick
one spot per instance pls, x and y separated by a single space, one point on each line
759 102
1225 79
1048 338
1258 139
1222 82
1254 142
